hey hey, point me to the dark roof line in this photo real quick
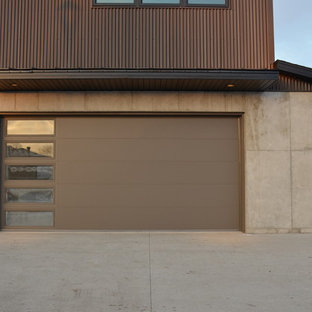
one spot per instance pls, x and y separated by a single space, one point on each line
140 74
294 70
138 80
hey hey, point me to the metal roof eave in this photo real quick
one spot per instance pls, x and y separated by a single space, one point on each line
136 80
141 74
294 70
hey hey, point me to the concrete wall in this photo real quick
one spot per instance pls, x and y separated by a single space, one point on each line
278 142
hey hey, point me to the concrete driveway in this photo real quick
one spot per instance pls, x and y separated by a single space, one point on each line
159 272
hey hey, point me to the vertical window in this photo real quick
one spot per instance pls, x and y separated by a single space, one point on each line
30 127
20 195
30 172
26 218
22 149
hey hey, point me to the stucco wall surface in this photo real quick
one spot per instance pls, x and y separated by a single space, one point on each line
277 142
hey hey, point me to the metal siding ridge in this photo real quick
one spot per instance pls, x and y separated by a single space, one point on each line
291 84
58 34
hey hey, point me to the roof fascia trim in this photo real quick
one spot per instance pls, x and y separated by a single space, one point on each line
302 72
141 74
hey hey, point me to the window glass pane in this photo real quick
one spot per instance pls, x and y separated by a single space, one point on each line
114 1
29 172
30 149
19 195
207 2
161 1
23 218
30 127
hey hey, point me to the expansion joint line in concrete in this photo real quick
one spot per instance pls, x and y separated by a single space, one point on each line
291 168
150 271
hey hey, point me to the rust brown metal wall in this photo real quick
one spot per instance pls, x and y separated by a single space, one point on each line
291 84
46 34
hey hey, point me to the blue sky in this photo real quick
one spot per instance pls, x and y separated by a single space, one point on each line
293 31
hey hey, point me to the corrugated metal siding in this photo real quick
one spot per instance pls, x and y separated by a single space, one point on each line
49 34
291 84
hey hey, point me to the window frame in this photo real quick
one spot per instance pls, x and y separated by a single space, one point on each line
139 4
32 134
28 226
32 158
6 167
47 188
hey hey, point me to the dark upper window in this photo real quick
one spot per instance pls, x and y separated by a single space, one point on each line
212 3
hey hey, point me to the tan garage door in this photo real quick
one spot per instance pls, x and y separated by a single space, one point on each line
142 173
